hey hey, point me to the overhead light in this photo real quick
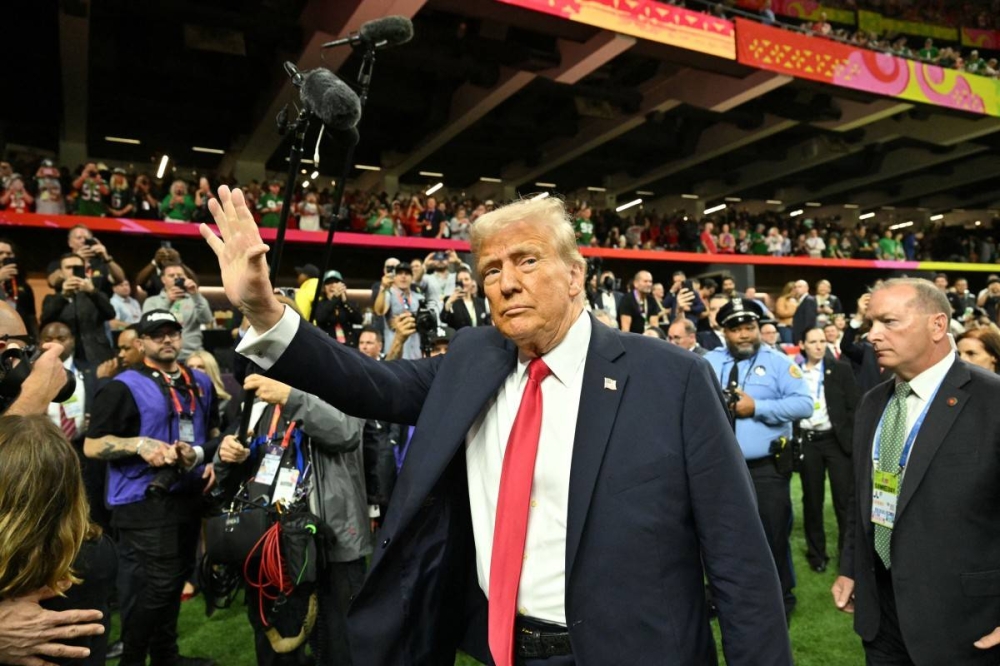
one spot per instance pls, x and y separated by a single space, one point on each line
545 184
866 216
901 225
366 167
539 196
773 202
733 199
212 151
813 204
487 179
888 208
289 159
305 184
714 209
163 167
796 213
433 189
978 222
628 205
851 206
645 193
334 183
935 218
120 139
304 172
432 174
597 189
689 196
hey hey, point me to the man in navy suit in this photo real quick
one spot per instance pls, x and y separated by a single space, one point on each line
630 508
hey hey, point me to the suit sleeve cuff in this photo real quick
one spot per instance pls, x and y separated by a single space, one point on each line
200 455
266 348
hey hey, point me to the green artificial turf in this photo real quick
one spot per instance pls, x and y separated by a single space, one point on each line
821 635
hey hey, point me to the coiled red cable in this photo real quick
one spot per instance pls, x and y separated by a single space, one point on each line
271 581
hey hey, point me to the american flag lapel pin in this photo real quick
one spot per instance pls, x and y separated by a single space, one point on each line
610 384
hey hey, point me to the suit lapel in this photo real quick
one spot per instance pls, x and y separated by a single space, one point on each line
603 387
948 404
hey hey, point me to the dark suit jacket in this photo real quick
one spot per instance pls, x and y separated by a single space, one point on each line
863 360
944 547
459 318
708 339
842 396
85 316
662 489
804 318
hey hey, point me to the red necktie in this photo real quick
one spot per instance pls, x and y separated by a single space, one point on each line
67 424
511 525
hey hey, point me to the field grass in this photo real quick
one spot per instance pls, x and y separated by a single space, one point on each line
821 635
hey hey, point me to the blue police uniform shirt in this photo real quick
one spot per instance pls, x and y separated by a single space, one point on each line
779 391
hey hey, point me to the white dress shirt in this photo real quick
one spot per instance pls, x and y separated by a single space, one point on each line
542 592
816 378
921 388
76 405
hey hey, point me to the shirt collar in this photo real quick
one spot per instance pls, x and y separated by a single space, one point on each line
923 385
566 358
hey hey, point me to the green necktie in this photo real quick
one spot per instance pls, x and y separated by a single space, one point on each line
891 441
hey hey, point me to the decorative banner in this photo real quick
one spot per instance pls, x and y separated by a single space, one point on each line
829 61
645 19
981 39
875 22
808 10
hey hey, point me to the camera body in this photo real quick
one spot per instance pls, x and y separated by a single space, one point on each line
90 242
80 272
426 321
179 283
164 478
15 366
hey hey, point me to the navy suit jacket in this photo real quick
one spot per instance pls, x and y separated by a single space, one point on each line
946 539
659 496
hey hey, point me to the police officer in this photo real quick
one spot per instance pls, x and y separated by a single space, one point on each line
766 394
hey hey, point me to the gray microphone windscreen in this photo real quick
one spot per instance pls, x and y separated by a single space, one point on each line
392 30
330 99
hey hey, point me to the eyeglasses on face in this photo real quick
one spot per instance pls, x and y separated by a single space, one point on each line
160 336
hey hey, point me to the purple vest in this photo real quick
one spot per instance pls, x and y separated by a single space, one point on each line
128 478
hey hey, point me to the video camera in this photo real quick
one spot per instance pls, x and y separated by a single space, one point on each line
15 365
427 324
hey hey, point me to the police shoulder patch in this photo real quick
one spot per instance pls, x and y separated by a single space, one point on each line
794 371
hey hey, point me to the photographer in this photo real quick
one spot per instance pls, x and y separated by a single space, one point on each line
83 309
605 296
150 278
15 289
101 267
153 426
180 296
766 394
91 190
440 278
47 377
395 300
464 306
335 314
329 442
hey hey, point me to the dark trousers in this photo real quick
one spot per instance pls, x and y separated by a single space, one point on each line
821 455
774 506
887 648
339 582
156 561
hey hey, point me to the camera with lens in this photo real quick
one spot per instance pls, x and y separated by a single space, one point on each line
162 480
426 321
15 366
90 242
179 283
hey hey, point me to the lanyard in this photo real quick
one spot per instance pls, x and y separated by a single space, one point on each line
274 422
641 300
910 438
406 303
173 394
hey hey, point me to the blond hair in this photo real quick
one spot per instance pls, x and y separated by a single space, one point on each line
928 298
213 372
44 515
549 213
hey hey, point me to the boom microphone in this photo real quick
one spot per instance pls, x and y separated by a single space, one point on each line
378 33
326 97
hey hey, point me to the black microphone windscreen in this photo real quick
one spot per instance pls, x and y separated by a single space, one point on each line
330 99
392 30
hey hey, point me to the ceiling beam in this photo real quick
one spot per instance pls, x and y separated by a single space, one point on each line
976 170
858 114
74 59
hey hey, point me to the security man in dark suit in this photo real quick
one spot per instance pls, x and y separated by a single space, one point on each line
826 444
766 394
919 567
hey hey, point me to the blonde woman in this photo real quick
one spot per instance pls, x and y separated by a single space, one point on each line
50 549
204 361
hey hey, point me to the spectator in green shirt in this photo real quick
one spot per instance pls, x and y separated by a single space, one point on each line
381 223
178 206
890 248
583 226
269 205
929 52
91 190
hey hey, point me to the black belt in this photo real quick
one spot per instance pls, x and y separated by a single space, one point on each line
760 462
535 639
816 435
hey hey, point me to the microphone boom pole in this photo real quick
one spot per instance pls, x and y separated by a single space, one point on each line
294 160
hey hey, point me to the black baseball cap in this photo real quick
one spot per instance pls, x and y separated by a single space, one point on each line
442 334
309 270
156 319
404 267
